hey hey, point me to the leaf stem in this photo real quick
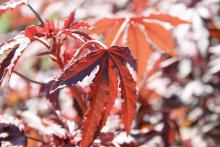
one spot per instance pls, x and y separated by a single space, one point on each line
36 14
44 43
27 79
96 42
73 35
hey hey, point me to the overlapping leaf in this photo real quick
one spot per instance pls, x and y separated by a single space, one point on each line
111 62
62 47
142 34
19 43
11 4
12 134
16 47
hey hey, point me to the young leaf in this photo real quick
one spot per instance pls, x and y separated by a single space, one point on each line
69 20
12 134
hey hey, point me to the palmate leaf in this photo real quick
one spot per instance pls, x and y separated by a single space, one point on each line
112 65
139 34
11 4
16 47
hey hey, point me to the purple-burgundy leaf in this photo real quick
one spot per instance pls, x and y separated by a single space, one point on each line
78 70
104 88
12 134
17 45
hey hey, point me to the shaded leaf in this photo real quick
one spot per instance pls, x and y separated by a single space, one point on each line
93 118
104 87
12 134
17 45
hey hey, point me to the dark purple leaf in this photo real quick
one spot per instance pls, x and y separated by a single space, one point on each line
12 134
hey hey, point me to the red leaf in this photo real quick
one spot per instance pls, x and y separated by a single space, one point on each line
79 25
161 37
79 94
11 4
111 33
104 87
79 69
130 32
113 86
33 31
128 93
102 26
140 47
93 118
175 21
69 20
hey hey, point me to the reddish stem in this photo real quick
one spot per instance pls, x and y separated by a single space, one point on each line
27 79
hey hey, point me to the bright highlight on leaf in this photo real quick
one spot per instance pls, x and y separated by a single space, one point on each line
112 64
81 89
142 34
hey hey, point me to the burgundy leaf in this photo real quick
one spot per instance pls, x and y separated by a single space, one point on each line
104 88
12 134
17 45
91 125
78 70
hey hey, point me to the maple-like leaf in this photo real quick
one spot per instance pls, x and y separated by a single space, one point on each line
11 4
12 134
16 46
140 33
111 62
